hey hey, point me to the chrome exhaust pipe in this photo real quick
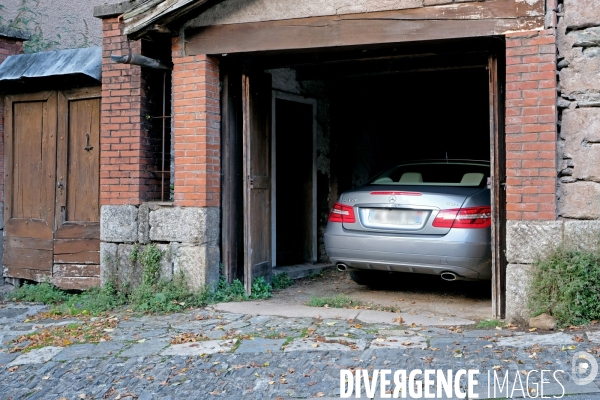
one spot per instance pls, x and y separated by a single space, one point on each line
448 276
342 267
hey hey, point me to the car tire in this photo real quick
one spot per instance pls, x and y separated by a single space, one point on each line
367 278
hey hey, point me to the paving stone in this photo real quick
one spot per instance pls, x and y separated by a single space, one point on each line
333 343
217 334
260 345
37 356
555 339
147 348
89 350
198 348
5 358
400 342
12 312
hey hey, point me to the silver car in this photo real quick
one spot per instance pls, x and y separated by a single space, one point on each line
427 217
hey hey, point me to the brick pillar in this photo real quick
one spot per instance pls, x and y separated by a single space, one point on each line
531 132
127 158
196 123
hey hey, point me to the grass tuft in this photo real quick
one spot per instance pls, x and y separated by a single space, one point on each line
282 281
344 301
490 324
566 285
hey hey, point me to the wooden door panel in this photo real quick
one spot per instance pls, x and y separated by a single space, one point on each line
256 104
30 157
76 239
498 200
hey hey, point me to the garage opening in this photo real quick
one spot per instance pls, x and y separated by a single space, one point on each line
337 119
293 192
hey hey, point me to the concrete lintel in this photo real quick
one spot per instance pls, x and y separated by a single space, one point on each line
112 10
11 33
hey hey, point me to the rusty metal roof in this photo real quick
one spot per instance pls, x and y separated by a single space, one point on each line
86 62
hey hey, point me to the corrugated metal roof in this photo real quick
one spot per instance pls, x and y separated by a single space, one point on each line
86 61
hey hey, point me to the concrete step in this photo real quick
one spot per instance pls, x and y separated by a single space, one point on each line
301 270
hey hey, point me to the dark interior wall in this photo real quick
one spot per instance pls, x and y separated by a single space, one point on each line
379 121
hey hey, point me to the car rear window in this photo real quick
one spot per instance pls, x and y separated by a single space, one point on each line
435 174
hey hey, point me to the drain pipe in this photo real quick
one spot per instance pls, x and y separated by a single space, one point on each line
138 59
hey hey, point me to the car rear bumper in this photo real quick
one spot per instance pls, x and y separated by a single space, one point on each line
465 252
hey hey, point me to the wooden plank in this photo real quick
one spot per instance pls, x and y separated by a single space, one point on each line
75 270
28 243
86 257
70 283
231 165
256 102
28 258
498 193
82 181
324 32
79 231
155 11
28 229
72 246
36 275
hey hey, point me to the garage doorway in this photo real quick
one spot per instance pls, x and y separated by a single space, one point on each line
374 107
293 193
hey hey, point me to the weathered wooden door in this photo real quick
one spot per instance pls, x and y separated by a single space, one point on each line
30 168
77 220
52 187
498 185
256 104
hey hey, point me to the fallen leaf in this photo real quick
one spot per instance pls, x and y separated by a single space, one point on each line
320 394
532 329
571 347
315 345
13 368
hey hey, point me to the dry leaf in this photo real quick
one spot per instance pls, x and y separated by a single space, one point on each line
13 368
320 394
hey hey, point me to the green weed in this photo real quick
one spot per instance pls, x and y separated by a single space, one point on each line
489 324
41 293
282 281
566 284
344 301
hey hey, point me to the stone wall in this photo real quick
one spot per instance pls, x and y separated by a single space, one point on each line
579 103
56 24
528 240
187 236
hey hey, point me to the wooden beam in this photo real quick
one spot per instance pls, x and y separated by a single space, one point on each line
147 14
312 33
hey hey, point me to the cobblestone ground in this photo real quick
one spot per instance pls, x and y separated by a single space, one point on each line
262 357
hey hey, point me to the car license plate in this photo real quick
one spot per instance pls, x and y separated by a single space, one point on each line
396 217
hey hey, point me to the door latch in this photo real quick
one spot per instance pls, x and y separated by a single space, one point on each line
87 143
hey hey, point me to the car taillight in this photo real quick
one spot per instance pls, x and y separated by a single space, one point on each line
342 213
471 217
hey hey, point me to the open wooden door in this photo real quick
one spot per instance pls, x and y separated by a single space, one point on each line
77 236
498 186
232 204
256 105
30 160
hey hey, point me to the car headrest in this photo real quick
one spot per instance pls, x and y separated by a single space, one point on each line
411 177
472 179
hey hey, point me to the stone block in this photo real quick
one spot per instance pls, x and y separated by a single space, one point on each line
587 37
143 224
583 235
578 81
118 224
582 13
579 200
518 281
129 273
166 262
108 262
527 240
199 264
197 225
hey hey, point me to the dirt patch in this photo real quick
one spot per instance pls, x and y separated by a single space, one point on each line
411 293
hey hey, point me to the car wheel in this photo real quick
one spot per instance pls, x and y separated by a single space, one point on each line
368 278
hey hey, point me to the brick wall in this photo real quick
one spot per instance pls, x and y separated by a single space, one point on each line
128 154
531 125
8 46
196 124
